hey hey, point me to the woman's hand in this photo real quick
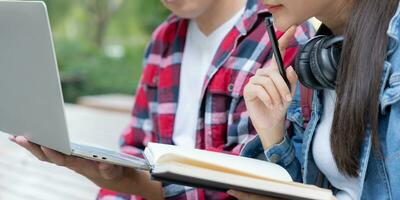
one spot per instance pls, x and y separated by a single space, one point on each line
248 196
267 97
113 177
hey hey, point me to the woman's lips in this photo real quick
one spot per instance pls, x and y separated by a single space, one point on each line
274 8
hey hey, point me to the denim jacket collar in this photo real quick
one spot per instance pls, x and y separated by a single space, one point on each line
388 97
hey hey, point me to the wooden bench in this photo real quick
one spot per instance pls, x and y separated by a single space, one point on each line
109 102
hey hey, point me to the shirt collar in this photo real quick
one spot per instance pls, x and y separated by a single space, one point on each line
254 8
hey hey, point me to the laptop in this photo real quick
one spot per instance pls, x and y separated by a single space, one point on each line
31 101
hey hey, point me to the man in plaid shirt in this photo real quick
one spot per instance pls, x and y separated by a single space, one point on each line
223 124
190 94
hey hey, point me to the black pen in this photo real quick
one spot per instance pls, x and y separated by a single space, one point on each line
275 48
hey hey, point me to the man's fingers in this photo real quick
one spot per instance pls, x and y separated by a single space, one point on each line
31 147
12 138
54 156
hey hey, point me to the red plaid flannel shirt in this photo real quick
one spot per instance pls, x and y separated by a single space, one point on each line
224 124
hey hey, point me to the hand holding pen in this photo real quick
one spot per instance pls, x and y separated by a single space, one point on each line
268 95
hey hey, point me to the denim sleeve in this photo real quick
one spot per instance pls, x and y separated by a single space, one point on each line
282 154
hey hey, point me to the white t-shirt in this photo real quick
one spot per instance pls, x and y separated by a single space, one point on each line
197 57
322 152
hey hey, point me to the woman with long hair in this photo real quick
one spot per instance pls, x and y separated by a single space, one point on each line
351 143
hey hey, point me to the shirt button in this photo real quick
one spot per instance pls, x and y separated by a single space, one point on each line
230 87
155 80
274 158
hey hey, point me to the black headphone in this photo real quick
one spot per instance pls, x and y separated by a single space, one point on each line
318 59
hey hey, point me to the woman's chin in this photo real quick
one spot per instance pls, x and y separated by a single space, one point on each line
282 24
282 27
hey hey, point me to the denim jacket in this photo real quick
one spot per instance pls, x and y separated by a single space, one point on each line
379 168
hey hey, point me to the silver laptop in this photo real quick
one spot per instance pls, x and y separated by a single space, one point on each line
31 102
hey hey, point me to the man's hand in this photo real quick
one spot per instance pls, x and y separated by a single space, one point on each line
113 177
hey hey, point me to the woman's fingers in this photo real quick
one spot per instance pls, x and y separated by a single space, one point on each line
237 194
284 41
278 84
292 77
31 147
271 67
269 86
282 87
263 96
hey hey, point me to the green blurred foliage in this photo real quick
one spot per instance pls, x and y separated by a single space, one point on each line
150 10
100 43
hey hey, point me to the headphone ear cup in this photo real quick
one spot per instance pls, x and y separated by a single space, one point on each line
303 62
319 58
329 58
317 61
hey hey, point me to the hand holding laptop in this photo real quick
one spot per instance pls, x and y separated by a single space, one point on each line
113 177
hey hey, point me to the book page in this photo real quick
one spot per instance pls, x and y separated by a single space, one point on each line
161 154
192 175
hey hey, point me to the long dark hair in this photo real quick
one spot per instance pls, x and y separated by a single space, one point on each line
363 54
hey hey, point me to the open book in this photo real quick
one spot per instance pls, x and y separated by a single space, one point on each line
218 171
